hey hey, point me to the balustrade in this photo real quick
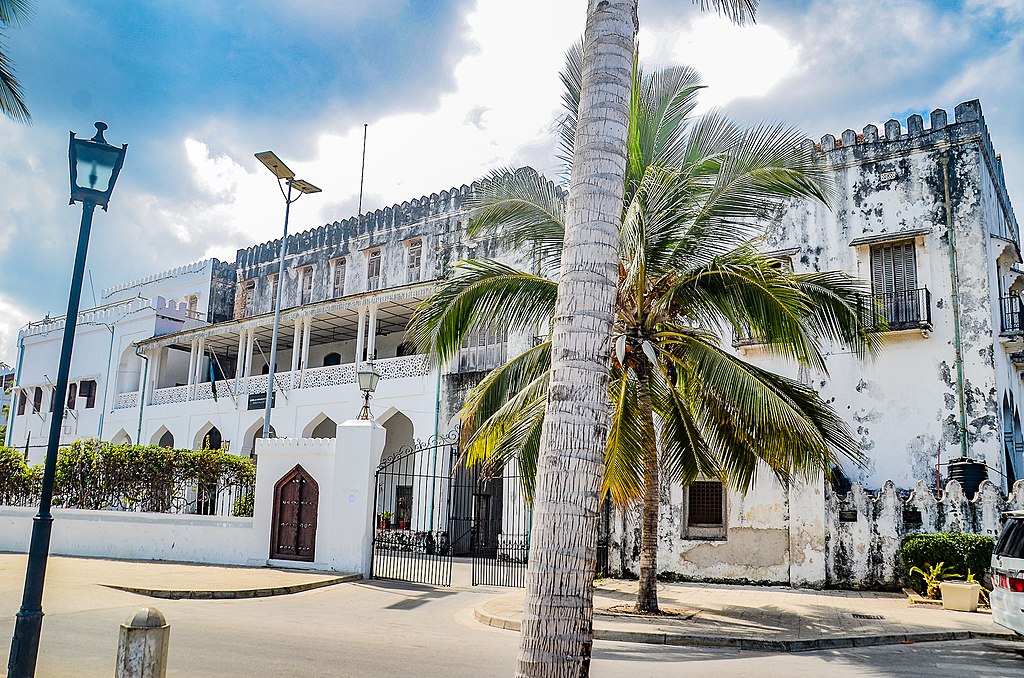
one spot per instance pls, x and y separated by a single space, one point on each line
125 401
316 377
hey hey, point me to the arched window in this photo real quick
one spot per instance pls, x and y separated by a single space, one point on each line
212 439
166 440
332 359
265 369
405 348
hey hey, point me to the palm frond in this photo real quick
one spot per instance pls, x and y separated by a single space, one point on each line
572 83
737 11
479 295
12 96
627 437
520 207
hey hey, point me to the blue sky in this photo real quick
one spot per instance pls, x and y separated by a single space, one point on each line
450 89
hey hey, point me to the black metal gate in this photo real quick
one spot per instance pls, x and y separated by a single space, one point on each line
493 521
412 530
429 508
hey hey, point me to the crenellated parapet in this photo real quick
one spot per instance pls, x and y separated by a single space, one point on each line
187 269
397 216
968 124
101 315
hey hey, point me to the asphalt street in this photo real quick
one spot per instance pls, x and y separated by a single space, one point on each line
389 629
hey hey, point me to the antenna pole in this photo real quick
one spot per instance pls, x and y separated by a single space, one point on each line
362 172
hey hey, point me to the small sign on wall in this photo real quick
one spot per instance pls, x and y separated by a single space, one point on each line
888 176
848 516
258 401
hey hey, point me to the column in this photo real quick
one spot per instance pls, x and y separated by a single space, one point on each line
249 345
200 348
240 360
360 336
371 335
154 374
192 367
305 343
296 349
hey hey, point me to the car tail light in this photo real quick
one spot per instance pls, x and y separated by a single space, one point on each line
1015 584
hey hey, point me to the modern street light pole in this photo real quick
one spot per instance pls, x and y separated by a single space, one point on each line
284 176
100 163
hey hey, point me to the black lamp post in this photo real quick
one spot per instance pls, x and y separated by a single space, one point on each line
368 376
95 165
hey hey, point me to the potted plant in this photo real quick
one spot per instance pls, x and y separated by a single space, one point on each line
403 524
384 520
962 596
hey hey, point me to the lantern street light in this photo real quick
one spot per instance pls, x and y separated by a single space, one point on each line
284 176
94 166
368 377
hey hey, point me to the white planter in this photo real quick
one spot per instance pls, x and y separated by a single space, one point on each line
960 596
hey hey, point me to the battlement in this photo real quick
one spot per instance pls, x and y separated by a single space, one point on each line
395 216
169 273
968 121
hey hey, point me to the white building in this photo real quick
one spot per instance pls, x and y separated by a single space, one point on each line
180 358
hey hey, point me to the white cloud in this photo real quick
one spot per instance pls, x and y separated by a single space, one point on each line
12 317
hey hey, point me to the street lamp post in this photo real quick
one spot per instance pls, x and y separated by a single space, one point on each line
284 176
94 166
368 377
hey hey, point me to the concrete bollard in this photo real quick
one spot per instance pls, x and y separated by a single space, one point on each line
142 649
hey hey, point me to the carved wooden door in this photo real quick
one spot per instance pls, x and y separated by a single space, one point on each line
296 497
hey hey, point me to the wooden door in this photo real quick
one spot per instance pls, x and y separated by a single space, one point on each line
296 498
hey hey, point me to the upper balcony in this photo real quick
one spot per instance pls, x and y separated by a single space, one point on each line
1011 316
903 310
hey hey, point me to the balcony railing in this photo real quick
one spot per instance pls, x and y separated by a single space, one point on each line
1011 310
903 310
317 377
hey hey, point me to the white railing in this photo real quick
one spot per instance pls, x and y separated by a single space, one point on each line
335 375
173 394
125 401
406 366
316 377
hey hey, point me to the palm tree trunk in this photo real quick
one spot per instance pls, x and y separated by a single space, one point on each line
557 630
647 589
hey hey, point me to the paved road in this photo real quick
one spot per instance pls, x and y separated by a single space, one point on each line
383 629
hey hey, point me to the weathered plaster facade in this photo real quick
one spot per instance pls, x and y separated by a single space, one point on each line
903 404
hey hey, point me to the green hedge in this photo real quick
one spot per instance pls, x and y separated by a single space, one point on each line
957 550
19 483
91 474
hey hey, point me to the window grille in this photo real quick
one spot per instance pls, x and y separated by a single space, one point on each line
338 287
415 257
307 285
705 503
373 270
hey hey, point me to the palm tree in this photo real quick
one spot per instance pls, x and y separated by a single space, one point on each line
687 269
12 99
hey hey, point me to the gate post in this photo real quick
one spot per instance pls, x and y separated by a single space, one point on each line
357 453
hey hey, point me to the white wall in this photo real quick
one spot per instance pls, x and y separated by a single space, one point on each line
139 536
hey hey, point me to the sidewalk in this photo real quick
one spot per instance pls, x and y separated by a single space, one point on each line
764 618
160 579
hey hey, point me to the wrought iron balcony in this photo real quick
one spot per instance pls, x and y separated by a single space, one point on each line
903 310
1011 311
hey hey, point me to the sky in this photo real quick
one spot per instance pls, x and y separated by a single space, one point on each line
450 89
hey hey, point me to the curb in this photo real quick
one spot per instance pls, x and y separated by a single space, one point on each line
177 594
809 645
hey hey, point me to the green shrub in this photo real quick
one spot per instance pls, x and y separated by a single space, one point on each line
957 550
19 483
243 506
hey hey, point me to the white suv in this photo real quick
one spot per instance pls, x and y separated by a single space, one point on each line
1008 574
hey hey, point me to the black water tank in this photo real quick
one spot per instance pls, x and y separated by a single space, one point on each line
969 473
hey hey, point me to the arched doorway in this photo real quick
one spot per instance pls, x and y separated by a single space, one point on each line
163 438
209 438
121 438
293 530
